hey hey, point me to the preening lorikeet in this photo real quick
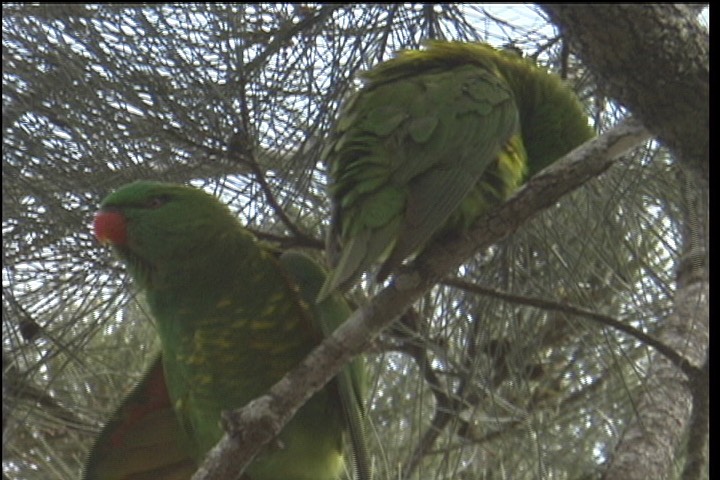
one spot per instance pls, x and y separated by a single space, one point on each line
431 141
233 317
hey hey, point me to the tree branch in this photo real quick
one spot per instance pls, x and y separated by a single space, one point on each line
654 59
676 358
256 424
697 444
240 147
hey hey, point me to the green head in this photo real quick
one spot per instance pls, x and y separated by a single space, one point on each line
552 119
154 224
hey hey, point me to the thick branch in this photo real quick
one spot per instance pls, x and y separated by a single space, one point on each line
261 420
654 60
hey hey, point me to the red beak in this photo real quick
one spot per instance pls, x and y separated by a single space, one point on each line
110 227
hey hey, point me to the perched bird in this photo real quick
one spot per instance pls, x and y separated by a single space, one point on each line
233 316
432 140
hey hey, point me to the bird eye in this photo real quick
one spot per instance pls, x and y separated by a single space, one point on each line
157 201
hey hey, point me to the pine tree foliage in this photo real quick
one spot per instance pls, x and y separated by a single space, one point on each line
506 370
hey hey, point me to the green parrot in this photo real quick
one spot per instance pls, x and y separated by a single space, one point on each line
233 316
433 139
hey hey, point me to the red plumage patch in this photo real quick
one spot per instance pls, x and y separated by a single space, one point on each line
150 396
110 227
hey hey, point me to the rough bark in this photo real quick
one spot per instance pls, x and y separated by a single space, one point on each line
654 60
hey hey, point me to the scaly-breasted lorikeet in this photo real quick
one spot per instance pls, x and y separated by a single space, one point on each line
431 141
233 316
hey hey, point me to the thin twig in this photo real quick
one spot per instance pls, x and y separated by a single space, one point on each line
678 360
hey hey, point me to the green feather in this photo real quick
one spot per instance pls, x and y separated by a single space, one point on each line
233 318
433 139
